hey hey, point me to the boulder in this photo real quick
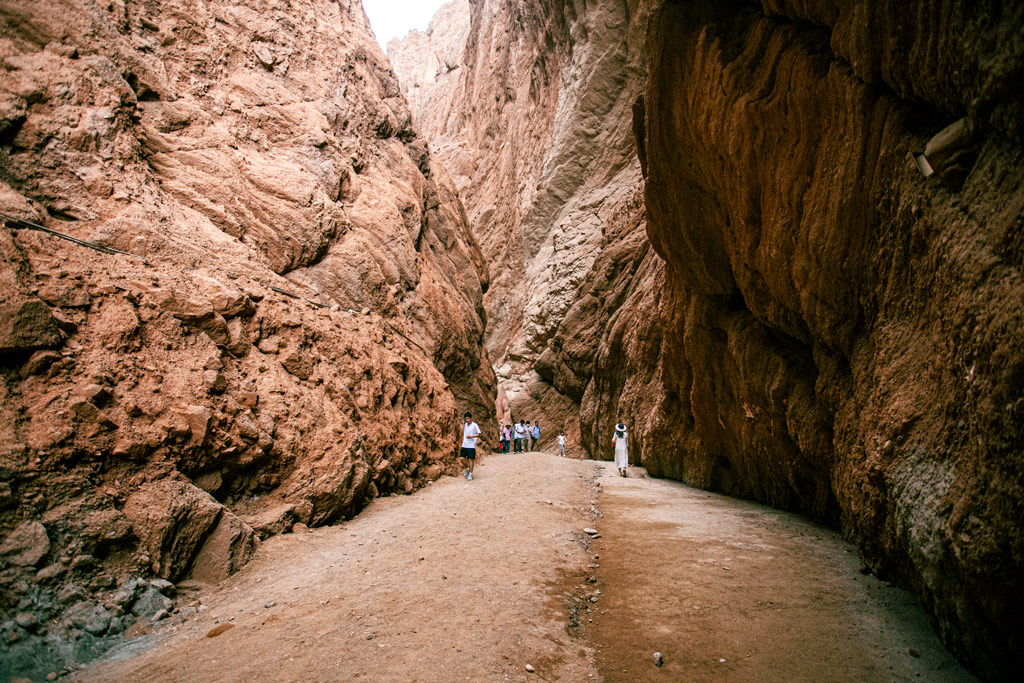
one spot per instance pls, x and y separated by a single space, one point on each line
195 311
88 412
39 362
198 419
274 520
299 363
125 593
150 602
225 300
89 617
172 518
211 482
228 548
164 586
26 546
27 325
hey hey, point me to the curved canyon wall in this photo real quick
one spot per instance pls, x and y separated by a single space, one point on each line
296 324
794 313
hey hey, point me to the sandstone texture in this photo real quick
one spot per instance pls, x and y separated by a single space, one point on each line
532 116
295 327
706 220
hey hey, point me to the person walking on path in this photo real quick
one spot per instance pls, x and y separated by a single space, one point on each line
535 436
506 436
520 430
526 436
621 440
561 443
467 453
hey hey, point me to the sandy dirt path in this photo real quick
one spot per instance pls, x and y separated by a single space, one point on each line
472 581
728 590
457 582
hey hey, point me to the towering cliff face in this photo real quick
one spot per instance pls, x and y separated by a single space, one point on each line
296 323
817 326
532 117
848 334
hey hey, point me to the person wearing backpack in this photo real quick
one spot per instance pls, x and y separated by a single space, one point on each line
620 441
534 436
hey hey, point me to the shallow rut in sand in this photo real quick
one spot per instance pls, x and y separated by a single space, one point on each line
475 580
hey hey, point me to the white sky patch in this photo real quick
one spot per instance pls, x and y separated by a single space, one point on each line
394 18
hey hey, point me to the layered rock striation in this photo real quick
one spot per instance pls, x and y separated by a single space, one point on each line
791 311
295 322
531 115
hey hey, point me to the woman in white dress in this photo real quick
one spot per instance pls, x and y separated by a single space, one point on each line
621 442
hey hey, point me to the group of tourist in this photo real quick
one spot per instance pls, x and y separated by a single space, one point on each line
526 435
519 437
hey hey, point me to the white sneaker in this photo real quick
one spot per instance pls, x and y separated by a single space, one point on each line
466 473
469 476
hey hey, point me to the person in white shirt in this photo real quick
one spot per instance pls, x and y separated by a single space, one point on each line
561 443
467 453
520 435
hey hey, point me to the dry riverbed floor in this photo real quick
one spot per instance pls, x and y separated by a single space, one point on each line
473 581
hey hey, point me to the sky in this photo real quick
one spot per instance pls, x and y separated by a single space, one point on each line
394 18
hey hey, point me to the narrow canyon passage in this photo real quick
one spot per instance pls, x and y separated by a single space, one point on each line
256 266
476 580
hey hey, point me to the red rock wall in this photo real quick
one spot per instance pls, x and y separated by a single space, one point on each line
785 309
840 335
160 410
531 115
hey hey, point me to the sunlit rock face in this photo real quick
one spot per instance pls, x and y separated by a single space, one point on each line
706 220
531 114
298 318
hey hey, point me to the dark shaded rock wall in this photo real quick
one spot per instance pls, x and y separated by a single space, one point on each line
837 334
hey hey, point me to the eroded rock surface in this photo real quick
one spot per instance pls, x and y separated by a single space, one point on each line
298 322
532 116
792 312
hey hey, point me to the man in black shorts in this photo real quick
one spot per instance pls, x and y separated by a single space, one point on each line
467 454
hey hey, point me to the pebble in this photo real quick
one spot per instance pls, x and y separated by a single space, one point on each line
52 676
590 531
529 667
658 660
270 603
217 630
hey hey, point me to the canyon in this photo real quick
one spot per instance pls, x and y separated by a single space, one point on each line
710 221
781 240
